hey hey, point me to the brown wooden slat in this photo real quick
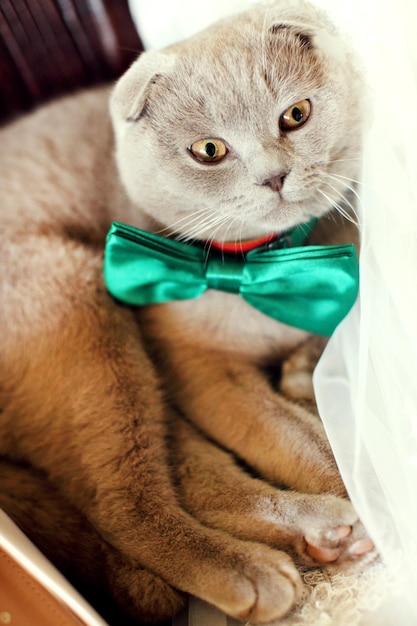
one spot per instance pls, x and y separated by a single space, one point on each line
61 59
16 40
96 31
13 91
129 42
49 47
85 42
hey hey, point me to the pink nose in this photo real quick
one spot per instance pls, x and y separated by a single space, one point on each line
276 182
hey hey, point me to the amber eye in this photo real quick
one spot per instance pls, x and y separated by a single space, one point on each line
295 116
208 150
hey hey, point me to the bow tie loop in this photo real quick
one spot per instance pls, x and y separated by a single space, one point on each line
309 287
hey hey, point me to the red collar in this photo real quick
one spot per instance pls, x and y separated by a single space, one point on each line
242 246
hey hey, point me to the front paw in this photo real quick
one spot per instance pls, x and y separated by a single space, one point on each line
329 532
297 371
339 545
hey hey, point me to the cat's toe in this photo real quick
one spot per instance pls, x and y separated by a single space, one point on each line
361 547
325 548
331 530
297 385
322 555
357 546
278 587
340 545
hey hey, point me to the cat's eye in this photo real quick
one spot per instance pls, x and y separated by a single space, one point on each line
295 116
208 150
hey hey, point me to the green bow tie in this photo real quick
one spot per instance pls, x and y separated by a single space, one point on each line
310 287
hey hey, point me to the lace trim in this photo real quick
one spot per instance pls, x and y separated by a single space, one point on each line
330 598
335 598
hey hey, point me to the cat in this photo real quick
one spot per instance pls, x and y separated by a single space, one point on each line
151 452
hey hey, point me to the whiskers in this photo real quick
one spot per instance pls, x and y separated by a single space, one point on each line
336 196
185 222
357 159
197 224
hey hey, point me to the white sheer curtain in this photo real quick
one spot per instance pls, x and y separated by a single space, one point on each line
366 382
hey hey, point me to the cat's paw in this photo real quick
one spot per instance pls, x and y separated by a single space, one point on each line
297 371
339 545
251 582
267 584
331 532
244 579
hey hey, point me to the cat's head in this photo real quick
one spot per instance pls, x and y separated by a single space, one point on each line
246 129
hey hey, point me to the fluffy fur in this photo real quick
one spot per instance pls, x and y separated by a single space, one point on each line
122 432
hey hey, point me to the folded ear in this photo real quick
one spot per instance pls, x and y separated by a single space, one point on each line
305 32
320 35
128 100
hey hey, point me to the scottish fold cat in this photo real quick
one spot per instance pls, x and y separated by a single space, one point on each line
155 452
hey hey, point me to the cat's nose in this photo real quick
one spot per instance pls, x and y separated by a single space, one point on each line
276 182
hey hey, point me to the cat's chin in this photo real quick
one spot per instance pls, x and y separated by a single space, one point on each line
278 223
288 216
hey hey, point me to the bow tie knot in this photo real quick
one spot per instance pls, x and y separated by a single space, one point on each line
309 287
220 280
